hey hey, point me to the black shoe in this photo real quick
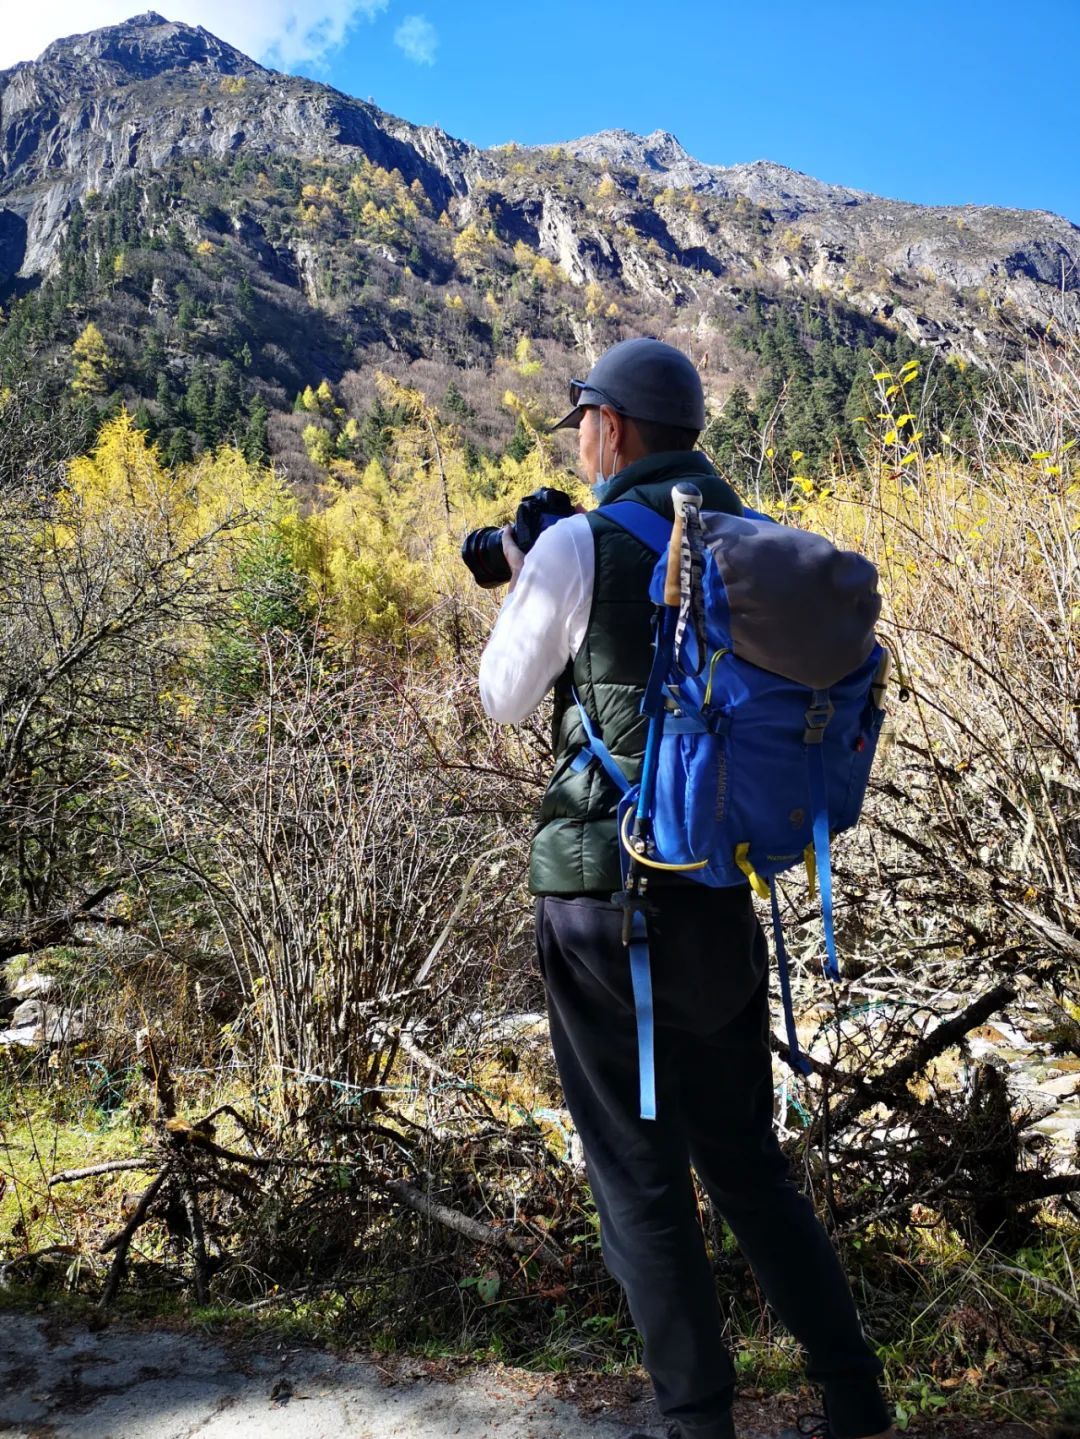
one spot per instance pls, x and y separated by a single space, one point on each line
809 1426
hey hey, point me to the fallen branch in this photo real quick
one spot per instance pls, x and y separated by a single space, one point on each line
68 1250
1039 1282
200 1267
896 1077
470 1228
825 1071
122 1242
114 1166
55 929
1030 1187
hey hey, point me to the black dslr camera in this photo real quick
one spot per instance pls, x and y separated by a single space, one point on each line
483 551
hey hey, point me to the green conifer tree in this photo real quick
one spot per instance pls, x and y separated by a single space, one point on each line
256 438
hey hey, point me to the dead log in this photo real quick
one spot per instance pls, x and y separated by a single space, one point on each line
470 1228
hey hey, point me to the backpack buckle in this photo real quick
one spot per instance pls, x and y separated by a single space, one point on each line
817 718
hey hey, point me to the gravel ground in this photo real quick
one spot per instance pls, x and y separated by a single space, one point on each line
60 1379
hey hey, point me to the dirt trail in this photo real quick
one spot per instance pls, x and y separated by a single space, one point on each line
63 1380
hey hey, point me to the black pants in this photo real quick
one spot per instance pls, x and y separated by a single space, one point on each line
714 1111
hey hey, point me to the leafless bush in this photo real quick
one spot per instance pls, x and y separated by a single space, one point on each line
90 624
350 887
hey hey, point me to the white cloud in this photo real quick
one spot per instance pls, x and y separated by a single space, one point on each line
280 33
418 38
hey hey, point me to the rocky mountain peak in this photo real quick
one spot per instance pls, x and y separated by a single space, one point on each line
658 152
764 182
145 46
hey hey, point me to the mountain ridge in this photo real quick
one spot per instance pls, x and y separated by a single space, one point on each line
77 118
222 226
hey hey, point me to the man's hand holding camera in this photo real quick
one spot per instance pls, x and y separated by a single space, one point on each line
515 556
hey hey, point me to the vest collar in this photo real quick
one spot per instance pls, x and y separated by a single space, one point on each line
667 465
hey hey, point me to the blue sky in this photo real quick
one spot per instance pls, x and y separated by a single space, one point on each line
948 103
957 102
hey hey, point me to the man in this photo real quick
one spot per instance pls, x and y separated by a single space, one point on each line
578 616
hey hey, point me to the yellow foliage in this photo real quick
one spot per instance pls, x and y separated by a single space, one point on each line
214 506
124 476
472 246
357 565
606 188
92 362
525 365
204 247
538 267
546 271
319 444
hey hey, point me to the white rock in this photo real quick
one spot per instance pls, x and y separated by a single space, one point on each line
35 1023
35 985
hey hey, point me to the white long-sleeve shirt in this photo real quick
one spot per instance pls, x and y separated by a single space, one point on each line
542 622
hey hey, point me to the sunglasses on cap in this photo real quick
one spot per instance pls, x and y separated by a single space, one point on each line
579 387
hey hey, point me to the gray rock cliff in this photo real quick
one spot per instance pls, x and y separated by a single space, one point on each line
132 99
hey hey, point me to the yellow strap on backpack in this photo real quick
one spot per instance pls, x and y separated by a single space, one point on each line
717 655
757 884
810 860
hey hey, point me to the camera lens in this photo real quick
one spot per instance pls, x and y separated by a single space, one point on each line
482 551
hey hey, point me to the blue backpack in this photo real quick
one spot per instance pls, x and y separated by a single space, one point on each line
765 705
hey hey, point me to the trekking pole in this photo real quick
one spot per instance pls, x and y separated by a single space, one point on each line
635 933
683 497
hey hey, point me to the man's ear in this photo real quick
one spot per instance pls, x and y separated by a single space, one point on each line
614 430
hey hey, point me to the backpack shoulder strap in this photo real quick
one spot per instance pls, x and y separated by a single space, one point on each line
594 748
643 523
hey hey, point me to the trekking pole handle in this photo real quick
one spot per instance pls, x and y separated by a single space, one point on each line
683 496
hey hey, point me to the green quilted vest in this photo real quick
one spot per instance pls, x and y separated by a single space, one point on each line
575 846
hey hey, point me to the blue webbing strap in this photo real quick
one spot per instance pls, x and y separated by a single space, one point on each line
641 979
644 524
640 972
598 750
654 532
819 806
796 1058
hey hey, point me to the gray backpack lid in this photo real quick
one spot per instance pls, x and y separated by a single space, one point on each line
799 607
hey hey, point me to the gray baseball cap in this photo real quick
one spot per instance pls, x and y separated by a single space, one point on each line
644 380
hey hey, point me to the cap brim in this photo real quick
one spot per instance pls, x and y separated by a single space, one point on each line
569 422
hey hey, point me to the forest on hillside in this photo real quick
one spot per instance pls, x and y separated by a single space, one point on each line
207 302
